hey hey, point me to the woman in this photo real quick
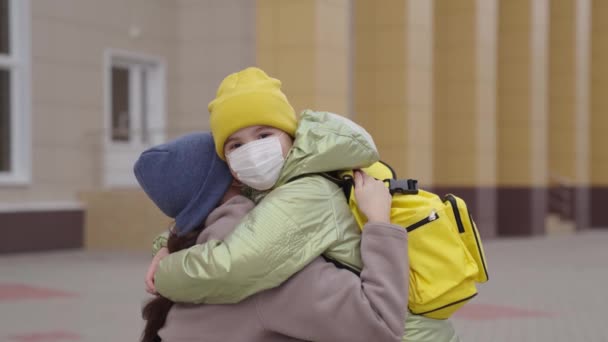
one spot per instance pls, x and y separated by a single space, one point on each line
187 180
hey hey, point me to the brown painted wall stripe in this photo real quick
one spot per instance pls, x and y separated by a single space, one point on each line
41 230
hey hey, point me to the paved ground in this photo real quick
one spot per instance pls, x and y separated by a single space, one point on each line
542 289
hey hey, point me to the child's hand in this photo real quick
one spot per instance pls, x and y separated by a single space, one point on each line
163 252
373 198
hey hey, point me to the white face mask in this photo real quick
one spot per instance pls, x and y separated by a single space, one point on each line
258 164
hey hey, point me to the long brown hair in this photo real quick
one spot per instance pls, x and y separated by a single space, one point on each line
156 310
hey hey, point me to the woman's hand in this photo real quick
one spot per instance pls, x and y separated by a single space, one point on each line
163 252
373 198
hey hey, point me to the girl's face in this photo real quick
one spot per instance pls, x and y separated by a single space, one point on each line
253 133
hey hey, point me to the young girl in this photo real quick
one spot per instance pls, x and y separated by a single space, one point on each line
186 180
303 216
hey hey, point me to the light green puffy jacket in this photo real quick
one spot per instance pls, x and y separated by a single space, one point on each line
294 223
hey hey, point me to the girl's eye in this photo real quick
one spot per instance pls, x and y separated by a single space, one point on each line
234 146
264 135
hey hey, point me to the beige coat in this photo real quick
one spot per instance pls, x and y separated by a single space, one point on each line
319 303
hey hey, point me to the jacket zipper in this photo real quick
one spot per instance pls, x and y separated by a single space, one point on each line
432 217
456 213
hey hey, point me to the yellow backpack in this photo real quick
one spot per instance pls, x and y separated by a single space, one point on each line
445 252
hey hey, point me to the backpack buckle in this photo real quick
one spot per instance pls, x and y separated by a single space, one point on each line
403 186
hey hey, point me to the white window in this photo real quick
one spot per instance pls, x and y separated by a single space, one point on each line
15 140
135 112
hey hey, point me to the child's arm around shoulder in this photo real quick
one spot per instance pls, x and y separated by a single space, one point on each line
323 303
294 224
327 304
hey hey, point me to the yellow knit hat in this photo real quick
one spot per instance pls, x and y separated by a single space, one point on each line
249 98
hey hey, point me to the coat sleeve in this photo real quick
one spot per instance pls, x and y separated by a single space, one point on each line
290 227
159 242
323 303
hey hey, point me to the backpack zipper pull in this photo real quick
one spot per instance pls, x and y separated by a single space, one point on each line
432 216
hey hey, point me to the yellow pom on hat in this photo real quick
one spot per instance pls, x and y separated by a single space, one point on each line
249 98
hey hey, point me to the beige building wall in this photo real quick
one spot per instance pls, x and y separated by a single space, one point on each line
121 219
486 65
213 39
199 43
285 37
599 89
380 79
598 121
307 45
67 87
562 82
464 115
582 199
334 57
455 94
564 179
513 88
419 45
569 137
522 156
495 100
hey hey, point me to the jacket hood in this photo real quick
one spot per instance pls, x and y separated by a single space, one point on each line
327 142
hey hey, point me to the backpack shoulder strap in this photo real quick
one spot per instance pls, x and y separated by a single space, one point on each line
345 183
342 266
396 186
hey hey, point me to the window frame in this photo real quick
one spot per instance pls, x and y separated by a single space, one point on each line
156 111
18 63
157 79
